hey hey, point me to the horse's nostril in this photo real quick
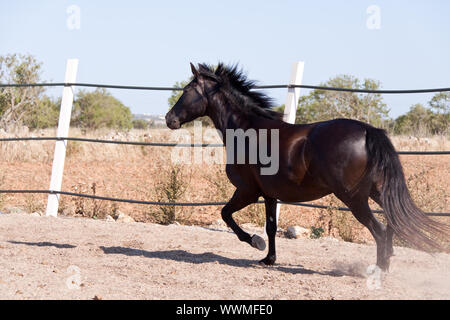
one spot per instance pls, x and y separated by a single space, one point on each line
172 123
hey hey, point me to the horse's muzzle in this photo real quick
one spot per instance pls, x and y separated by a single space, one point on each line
172 122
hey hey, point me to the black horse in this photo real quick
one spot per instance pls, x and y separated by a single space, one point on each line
348 158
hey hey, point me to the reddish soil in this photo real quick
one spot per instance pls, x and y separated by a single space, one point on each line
75 258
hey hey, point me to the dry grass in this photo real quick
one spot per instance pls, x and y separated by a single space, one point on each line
410 143
137 172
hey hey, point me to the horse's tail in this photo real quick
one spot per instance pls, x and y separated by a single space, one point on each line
408 221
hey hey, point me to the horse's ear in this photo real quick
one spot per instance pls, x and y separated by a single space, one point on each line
194 71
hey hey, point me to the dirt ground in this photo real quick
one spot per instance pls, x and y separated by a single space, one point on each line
79 258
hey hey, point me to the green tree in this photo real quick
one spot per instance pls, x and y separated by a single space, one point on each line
141 124
440 106
15 102
322 105
45 114
440 103
415 121
424 121
100 109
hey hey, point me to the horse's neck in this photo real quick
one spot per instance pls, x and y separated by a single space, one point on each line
225 115
229 118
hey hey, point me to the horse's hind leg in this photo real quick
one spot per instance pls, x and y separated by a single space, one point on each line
375 195
271 229
238 201
361 210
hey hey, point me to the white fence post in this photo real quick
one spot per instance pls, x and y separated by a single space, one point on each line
293 94
63 131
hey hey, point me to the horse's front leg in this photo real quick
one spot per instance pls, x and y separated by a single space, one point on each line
271 230
239 201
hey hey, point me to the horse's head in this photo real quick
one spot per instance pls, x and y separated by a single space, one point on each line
193 103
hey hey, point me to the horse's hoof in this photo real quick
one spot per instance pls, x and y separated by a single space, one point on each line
267 261
258 242
384 266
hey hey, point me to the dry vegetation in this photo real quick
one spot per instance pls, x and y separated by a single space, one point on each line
146 173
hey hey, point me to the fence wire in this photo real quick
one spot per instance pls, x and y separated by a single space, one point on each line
275 86
165 144
190 204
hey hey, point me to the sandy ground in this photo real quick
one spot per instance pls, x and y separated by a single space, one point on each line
79 258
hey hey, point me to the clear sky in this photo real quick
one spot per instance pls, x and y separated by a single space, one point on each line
152 42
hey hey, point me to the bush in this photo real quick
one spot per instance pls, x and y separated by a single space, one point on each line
140 124
426 121
98 109
15 102
316 232
170 189
44 115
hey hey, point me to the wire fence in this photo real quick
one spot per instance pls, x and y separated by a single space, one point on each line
166 144
162 144
189 204
275 86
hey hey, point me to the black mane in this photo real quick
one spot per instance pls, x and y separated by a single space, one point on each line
238 88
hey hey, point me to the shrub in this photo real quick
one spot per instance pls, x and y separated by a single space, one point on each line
44 115
170 189
140 124
98 109
316 232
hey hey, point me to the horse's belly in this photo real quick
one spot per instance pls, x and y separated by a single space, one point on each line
293 191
